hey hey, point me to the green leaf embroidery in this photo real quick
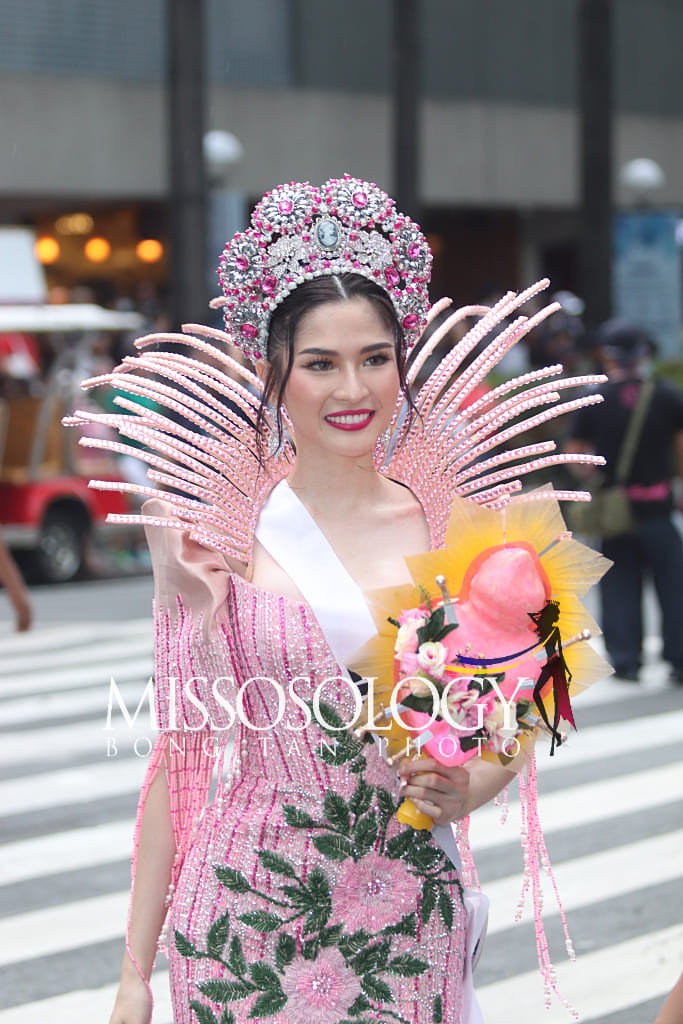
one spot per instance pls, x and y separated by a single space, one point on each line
337 813
227 1017
220 990
236 958
349 945
318 919
376 989
204 1014
310 949
285 951
399 845
361 799
427 902
268 1003
406 926
333 847
318 884
185 947
446 908
386 802
437 1010
359 1004
233 880
277 864
407 966
264 977
298 897
297 818
365 833
330 936
423 857
373 958
261 921
218 936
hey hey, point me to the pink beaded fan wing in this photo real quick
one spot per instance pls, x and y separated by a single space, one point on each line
199 437
456 446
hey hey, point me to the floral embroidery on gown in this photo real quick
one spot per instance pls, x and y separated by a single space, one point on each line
301 898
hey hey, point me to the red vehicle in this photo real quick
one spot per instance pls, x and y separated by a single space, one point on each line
48 515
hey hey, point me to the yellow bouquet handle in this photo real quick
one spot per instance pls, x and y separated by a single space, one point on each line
408 814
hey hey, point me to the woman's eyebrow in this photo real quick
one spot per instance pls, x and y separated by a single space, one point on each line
333 352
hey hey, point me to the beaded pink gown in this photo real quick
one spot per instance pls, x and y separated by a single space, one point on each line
297 898
301 899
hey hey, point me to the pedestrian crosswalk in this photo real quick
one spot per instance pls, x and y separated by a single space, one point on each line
611 805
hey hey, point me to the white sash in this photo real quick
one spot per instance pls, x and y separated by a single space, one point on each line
291 536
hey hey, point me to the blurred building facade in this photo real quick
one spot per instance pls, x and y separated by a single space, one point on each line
305 86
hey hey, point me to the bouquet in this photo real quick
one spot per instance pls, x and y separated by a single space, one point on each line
478 669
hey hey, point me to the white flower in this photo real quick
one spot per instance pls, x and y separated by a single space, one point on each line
418 686
501 724
406 638
431 657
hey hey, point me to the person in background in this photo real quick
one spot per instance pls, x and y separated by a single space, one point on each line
12 581
654 547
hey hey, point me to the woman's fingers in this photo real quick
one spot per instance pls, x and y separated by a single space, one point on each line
438 790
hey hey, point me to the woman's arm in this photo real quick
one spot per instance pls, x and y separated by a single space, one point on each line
155 855
11 579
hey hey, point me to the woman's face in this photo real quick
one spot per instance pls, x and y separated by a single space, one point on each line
344 380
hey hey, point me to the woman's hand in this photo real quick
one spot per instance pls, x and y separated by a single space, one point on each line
133 1002
436 789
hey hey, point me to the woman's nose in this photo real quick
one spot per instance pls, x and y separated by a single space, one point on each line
351 385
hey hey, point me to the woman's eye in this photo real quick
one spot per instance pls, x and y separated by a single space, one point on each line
379 360
318 364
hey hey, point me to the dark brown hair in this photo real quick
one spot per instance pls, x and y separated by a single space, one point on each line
284 323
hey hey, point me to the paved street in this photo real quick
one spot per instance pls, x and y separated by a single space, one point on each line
611 803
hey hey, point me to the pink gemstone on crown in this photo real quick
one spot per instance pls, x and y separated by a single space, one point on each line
285 206
414 250
269 284
249 331
392 275
241 262
410 321
360 198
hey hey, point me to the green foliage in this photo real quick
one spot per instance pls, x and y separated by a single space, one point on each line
268 1004
361 799
333 847
204 1014
437 1010
264 977
406 926
446 908
217 937
407 966
185 947
277 864
236 958
285 950
298 818
231 879
261 921
221 990
428 901
337 813
376 989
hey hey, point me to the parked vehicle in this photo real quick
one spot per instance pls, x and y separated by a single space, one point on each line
48 515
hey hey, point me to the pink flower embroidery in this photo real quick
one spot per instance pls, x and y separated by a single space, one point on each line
319 991
373 892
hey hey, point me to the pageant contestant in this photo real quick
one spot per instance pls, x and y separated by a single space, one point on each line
285 889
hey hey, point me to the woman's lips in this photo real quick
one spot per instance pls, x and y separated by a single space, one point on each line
353 419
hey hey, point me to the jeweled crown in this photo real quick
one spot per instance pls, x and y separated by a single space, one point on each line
299 232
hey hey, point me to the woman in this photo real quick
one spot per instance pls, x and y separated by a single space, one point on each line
296 895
